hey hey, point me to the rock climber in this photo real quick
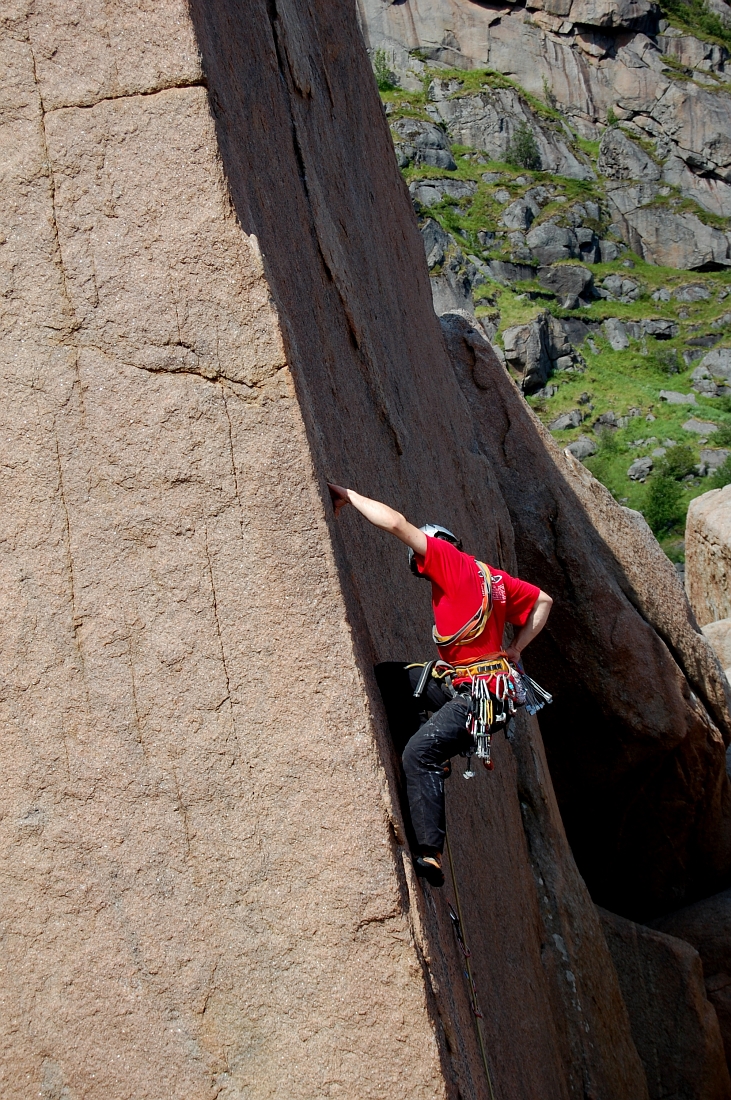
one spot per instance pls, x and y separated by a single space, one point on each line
475 686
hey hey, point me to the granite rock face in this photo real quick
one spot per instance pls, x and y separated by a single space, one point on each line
534 350
708 555
719 635
593 57
620 158
663 237
707 926
489 121
674 1025
206 311
655 762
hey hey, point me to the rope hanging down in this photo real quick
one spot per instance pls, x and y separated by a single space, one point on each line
457 925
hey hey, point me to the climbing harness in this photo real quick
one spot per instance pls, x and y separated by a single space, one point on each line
496 690
458 926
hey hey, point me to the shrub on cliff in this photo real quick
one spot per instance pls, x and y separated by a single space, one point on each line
523 151
663 508
678 462
721 477
382 72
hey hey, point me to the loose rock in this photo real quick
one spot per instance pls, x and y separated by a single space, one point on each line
674 398
640 469
582 448
616 334
570 419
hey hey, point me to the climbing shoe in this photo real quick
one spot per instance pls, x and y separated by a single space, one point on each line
433 874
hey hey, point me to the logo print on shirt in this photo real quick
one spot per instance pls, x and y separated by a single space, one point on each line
498 588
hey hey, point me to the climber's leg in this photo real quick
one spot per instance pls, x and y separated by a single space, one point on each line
442 737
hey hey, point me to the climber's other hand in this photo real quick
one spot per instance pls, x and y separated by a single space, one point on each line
339 497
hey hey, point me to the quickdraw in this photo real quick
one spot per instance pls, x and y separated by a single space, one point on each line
496 690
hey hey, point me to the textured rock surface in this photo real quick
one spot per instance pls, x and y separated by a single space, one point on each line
653 765
708 555
662 237
534 350
707 926
620 158
719 635
593 56
205 885
674 1025
489 120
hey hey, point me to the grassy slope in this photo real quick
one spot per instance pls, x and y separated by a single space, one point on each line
615 380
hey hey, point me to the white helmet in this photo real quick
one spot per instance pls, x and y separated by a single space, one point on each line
437 532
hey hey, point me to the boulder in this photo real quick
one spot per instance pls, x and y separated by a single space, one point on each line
569 282
714 458
570 419
692 292
616 334
430 192
588 242
536 349
674 398
607 419
519 215
707 926
640 469
719 635
429 143
437 242
656 754
608 251
608 13
661 236
718 363
505 272
674 1025
660 329
700 427
620 158
624 289
582 448
708 555
549 243
702 382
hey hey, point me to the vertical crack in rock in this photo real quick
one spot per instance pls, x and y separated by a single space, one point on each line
326 236
219 636
75 617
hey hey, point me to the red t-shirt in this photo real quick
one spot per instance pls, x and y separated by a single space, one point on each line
457 594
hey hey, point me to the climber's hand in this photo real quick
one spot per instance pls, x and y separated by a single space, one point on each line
513 655
339 497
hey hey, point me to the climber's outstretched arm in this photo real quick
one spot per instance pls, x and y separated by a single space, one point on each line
536 622
380 515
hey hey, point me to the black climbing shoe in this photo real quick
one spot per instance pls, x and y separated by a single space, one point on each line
433 875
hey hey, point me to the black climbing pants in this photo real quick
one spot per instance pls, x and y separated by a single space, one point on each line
432 743
438 740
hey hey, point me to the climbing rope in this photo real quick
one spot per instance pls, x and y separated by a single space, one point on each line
458 925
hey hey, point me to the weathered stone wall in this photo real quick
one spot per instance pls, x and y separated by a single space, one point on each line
636 736
708 555
674 1025
205 889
